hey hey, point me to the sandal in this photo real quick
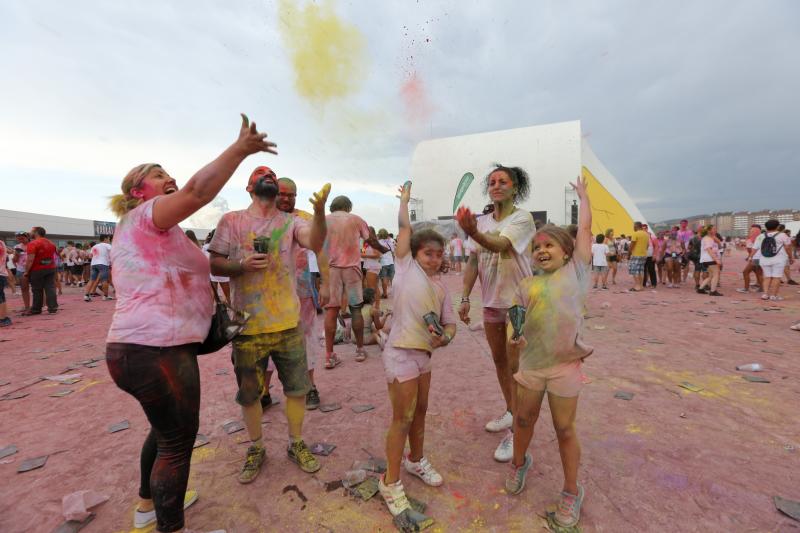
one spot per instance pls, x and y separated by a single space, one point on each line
361 355
333 361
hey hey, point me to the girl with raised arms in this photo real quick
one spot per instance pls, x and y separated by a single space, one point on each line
551 352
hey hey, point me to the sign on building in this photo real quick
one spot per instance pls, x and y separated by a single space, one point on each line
104 228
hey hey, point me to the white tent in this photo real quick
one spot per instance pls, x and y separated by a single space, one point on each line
552 154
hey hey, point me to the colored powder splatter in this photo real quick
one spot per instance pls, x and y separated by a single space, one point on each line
327 53
415 99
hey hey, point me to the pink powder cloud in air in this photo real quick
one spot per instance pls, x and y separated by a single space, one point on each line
415 100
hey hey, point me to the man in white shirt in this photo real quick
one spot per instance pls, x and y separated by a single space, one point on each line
773 246
101 262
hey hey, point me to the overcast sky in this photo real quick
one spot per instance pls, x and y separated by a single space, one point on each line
692 105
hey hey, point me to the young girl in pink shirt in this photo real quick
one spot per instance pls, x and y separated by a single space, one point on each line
415 333
551 351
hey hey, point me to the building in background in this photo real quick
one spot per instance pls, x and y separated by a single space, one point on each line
60 229
735 224
552 154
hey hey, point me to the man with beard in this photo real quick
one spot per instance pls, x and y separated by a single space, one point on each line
256 247
287 195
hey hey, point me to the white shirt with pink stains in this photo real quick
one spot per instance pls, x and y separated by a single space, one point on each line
163 294
420 294
342 244
269 295
501 273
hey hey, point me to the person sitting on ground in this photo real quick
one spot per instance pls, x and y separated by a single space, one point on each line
773 246
551 352
163 314
374 320
600 253
407 357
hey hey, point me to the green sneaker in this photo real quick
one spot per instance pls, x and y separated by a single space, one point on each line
299 453
252 464
515 481
569 508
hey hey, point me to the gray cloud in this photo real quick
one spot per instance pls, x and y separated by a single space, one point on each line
692 105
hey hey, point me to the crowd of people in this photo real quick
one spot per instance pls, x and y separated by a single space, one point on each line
282 267
668 257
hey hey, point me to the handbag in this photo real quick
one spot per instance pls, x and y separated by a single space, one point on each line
226 324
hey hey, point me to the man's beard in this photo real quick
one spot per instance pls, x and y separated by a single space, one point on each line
266 189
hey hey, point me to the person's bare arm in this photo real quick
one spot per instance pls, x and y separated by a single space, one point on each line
222 266
470 275
171 209
312 237
403 223
469 223
376 244
583 242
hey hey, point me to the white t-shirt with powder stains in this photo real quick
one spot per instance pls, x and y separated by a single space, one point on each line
500 273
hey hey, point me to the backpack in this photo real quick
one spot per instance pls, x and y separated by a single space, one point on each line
694 249
769 246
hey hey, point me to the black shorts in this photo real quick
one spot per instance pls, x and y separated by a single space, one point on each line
612 259
76 270
705 264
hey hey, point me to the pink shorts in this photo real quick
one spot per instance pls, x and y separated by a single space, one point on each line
562 380
404 364
495 315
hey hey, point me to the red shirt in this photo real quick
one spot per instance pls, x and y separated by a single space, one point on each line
42 251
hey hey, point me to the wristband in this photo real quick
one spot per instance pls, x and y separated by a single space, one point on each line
465 299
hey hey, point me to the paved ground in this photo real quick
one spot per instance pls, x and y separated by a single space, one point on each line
670 459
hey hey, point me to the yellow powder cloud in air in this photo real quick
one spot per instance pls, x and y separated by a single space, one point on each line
327 53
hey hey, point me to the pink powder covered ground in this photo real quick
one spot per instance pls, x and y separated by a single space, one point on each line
668 460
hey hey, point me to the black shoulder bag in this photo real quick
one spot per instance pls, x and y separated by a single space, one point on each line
226 324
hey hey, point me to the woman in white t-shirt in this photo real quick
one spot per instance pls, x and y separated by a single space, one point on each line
500 252
600 253
773 261
710 261
372 266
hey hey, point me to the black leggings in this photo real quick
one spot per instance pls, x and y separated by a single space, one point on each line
166 381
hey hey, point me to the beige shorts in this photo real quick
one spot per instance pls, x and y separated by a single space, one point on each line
345 281
404 364
562 380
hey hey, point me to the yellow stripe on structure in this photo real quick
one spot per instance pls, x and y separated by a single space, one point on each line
607 212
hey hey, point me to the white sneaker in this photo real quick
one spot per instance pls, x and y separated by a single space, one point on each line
395 496
765 296
107 298
505 450
87 298
423 470
144 519
744 291
500 424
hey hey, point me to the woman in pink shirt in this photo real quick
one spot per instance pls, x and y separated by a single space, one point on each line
163 313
